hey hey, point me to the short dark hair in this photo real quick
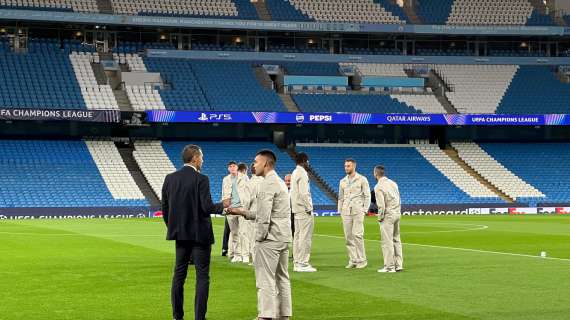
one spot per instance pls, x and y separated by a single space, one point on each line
379 169
232 162
189 152
350 160
271 157
242 167
301 158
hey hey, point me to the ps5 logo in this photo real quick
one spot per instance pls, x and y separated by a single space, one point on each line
215 117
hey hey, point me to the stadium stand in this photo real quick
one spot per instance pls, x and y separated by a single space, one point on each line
4 45
153 162
489 12
544 94
71 45
310 68
516 53
48 173
212 85
372 51
427 103
476 88
232 86
228 9
283 10
434 11
544 165
96 96
60 5
134 47
184 92
157 159
496 173
285 48
374 69
373 103
224 47
361 11
538 19
141 97
427 185
455 173
42 80
442 52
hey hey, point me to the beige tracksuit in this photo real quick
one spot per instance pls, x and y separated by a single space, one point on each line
353 204
389 212
302 207
234 246
272 236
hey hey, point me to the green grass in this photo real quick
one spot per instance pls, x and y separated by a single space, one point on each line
121 269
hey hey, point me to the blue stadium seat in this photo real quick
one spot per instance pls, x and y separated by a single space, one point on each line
538 19
46 173
544 94
434 11
212 85
374 103
283 10
419 181
232 86
546 166
41 79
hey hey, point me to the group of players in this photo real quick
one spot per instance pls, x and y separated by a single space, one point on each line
239 233
353 204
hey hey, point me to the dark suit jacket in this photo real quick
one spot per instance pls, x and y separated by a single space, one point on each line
187 205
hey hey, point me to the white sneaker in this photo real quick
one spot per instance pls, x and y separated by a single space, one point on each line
399 269
307 268
386 270
235 260
362 265
350 265
245 260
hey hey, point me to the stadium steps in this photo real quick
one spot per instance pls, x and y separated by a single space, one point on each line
453 155
316 178
126 152
263 78
439 87
99 72
123 100
410 10
105 6
289 102
262 11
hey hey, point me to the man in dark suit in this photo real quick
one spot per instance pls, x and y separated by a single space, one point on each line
186 208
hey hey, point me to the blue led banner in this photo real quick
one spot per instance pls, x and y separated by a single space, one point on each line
357 118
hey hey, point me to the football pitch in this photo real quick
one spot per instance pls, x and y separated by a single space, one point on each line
456 267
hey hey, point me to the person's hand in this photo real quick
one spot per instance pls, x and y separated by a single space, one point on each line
235 211
227 202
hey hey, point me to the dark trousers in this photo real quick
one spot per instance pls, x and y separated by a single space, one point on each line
292 224
185 250
226 239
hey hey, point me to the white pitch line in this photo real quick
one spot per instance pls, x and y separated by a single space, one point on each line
459 249
477 227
